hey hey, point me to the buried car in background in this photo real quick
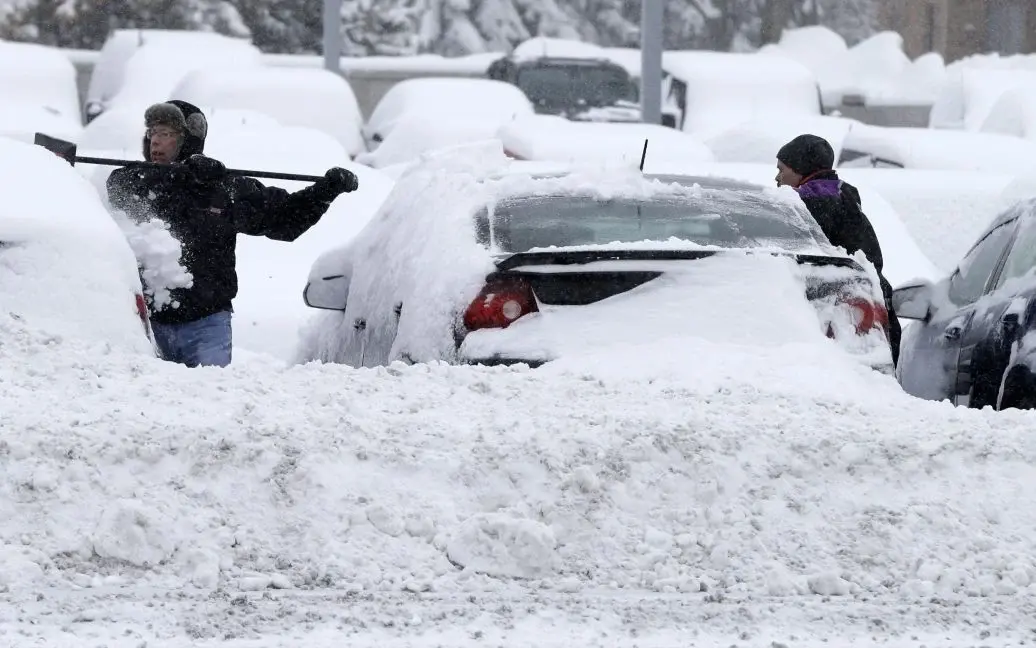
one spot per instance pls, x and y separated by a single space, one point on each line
522 268
974 339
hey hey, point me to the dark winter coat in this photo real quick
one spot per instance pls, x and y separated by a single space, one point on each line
836 206
206 217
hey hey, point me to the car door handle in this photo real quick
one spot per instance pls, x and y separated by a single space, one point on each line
952 332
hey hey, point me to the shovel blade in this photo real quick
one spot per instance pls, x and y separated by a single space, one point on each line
59 147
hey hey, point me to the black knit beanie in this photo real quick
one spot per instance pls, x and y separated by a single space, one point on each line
807 154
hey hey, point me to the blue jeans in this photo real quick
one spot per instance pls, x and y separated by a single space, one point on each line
205 342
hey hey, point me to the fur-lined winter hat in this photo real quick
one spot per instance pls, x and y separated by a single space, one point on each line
182 117
807 154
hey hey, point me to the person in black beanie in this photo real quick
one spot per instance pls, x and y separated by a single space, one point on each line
205 209
806 164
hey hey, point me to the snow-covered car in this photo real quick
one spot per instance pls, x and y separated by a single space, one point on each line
168 55
934 149
475 106
39 93
67 270
709 92
309 97
512 267
577 88
973 341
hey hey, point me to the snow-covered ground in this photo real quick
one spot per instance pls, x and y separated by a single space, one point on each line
781 492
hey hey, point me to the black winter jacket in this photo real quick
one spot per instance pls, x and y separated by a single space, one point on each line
836 206
206 219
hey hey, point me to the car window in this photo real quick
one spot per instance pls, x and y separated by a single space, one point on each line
969 280
1021 260
730 219
573 85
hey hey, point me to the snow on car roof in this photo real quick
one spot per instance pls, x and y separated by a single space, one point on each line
448 98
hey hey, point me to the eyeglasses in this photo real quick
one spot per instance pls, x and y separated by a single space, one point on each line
162 132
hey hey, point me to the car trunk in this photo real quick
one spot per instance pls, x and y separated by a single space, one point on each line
579 293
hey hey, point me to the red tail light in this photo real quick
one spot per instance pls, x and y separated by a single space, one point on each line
866 315
499 303
142 310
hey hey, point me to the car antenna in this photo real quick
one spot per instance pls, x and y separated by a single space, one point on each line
643 156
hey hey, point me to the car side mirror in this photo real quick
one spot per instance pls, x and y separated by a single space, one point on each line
913 301
327 293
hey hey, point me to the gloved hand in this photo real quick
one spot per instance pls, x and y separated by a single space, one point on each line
338 181
205 170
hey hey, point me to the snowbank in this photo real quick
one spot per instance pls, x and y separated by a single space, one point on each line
314 98
757 476
550 138
66 270
445 99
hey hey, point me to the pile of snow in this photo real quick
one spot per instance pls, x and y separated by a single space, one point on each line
754 474
442 100
66 270
724 89
315 98
551 138
936 149
876 68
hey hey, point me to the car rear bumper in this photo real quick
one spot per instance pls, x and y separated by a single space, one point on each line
503 361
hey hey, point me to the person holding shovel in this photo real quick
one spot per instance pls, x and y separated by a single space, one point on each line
205 209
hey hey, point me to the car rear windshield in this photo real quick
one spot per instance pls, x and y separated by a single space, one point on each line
724 219
573 85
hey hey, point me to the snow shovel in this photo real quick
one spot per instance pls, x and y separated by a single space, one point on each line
67 151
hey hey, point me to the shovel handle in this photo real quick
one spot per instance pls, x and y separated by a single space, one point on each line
235 172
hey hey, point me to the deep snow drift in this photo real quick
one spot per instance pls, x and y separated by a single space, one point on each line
719 472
